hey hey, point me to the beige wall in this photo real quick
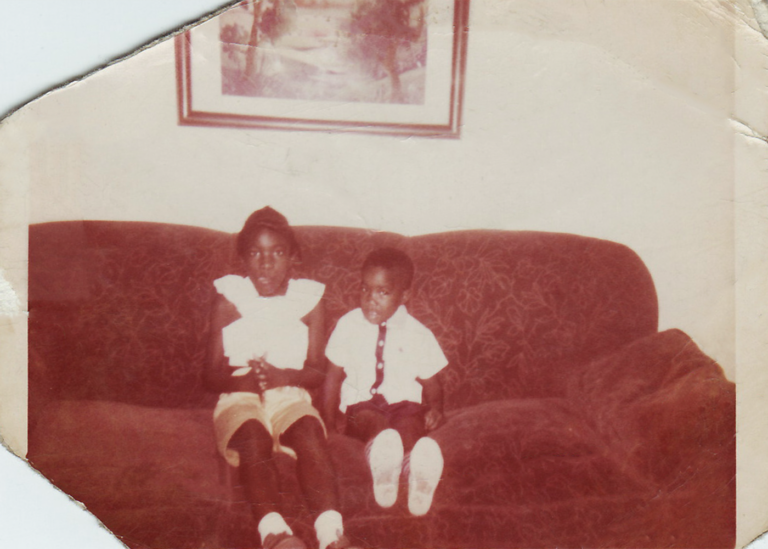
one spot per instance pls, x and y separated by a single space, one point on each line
603 119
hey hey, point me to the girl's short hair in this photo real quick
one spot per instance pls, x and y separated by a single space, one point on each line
393 260
265 218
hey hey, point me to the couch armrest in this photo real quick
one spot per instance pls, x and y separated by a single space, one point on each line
662 406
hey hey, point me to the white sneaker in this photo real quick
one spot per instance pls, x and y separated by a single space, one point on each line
426 469
386 461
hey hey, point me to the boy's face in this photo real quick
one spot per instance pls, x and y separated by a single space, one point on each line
381 294
268 263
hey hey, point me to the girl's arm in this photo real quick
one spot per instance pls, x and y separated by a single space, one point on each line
218 374
313 372
332 395
432 395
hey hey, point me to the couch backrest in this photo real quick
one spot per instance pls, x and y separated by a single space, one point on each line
119 310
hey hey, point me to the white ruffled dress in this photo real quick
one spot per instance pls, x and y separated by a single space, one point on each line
270 328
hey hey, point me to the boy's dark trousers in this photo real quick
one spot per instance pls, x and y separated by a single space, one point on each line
367 419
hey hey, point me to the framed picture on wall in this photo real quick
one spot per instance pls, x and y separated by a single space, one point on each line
371 66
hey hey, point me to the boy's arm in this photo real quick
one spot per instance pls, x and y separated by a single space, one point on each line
432 395
218 377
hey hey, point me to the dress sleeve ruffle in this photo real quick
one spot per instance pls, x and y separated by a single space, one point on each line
306 294
235 288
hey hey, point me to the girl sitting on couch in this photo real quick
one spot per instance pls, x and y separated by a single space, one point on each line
267 347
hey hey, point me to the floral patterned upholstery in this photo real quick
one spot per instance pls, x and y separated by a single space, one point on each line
572 421
120 310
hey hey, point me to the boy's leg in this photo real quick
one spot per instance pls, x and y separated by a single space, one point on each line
365 420
385 457
368 421
407 418
393 430
425 468
425 462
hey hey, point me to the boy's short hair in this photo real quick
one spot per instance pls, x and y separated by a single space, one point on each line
265 218
394 260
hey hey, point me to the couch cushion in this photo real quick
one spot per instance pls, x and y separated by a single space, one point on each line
533 473
523 452
144 472
97 438
518 473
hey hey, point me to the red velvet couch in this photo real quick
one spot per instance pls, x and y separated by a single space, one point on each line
572 421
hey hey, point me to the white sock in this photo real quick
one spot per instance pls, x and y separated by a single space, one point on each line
328 528
273 523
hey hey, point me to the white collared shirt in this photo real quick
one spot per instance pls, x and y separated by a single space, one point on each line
410 351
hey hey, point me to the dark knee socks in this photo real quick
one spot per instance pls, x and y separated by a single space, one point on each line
307 438
258 472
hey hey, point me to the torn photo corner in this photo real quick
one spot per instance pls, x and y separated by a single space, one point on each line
580 186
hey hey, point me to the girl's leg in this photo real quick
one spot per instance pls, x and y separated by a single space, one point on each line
313 465
307 438
258 472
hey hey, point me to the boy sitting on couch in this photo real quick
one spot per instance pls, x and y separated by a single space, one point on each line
384 377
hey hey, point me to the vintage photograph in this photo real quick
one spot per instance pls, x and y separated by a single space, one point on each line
243 334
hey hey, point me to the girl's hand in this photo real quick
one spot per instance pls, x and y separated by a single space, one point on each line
268 376
433 419
256 367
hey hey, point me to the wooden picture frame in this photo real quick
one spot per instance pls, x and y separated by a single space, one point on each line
353 101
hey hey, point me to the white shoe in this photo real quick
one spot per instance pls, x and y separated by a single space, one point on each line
386 461
426 469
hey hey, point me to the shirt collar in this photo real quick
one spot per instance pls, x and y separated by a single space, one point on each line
398 319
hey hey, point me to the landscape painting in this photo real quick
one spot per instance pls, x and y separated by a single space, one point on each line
364 66
372 51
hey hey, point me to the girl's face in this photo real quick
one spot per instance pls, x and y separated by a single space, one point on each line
268 263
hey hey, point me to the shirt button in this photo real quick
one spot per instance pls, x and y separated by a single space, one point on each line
380 365
373 391
381 344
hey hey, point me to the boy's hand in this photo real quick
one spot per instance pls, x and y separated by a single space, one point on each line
433 419
432 395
